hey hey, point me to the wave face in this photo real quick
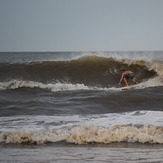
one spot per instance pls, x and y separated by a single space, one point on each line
140 126
88 70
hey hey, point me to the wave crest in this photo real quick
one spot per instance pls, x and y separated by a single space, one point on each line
87 70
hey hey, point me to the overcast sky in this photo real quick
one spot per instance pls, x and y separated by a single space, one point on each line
81 25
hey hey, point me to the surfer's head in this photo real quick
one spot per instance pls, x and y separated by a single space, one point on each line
122 69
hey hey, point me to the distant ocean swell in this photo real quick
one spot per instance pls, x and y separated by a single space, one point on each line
84 130
86 73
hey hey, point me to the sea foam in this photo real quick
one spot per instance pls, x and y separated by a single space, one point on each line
138 126
84 134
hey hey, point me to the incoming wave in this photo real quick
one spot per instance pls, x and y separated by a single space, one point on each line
88 70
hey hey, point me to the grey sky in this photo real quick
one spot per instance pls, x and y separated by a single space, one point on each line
81 25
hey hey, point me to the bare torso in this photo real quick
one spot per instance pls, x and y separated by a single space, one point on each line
127 72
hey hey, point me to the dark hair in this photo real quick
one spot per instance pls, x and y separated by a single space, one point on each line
122 69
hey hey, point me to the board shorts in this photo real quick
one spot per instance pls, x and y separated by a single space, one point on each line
130 76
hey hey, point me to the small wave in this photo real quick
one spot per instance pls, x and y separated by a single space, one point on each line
88 134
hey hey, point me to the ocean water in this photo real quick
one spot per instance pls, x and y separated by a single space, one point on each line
68 107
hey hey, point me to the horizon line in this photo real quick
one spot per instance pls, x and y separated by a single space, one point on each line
81 51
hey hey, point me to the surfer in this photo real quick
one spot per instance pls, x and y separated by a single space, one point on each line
127 75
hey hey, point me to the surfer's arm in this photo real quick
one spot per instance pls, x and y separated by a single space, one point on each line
121 79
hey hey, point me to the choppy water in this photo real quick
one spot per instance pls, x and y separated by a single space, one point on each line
73 98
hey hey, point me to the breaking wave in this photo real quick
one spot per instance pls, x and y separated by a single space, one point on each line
88 134
82 73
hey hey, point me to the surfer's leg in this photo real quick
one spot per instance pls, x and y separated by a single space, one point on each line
125 82
133 80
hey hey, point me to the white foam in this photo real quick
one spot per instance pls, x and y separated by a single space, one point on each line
154 82
88 134
15 84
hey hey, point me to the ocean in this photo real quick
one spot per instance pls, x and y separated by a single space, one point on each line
68 107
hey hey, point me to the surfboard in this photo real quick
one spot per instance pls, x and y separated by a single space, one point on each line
124 88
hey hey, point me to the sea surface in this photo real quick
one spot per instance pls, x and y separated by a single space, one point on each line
68 107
